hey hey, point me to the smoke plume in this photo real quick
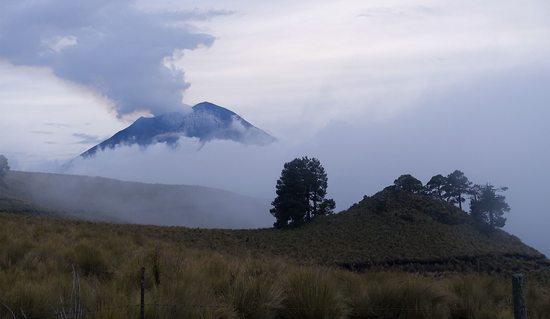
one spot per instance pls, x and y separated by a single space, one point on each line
110 46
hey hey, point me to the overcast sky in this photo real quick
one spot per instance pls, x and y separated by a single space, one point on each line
375 89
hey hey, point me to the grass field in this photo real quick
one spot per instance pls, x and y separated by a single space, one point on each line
39 256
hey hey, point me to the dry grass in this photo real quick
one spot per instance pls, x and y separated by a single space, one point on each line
37 256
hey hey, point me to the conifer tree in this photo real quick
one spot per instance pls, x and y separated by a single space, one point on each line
301 192
436 186
488 207
408 183
4 167
457 185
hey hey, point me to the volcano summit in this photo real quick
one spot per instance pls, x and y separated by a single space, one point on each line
205 121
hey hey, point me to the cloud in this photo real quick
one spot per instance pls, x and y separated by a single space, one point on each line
410 12
246 169
41 132
87 138
112 47
412 89
57 44
57 124
306 63
494 129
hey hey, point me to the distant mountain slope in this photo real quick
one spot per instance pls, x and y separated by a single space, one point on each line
205 121
10 202
95 198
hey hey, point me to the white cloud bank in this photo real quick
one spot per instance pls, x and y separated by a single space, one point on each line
294 66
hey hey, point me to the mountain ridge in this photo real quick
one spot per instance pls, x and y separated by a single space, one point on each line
205 121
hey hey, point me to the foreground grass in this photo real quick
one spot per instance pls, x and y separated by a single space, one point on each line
39 257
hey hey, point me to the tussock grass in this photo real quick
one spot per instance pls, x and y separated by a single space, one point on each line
480 297
398 296
37 256
313 294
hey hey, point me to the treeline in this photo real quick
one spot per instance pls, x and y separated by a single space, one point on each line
302 188
487 205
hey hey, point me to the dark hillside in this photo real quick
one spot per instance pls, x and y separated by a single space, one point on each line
412 231
103 199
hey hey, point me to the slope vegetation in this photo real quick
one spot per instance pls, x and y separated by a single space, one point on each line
391 229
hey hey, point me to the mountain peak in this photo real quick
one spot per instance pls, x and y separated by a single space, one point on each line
210 107
206 121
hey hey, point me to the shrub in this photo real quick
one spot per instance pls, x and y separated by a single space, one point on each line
313 295
480 297
255 296
408 299
90 261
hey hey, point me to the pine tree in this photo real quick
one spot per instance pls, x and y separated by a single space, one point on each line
4 167
456 186
436 187
301 192
408 183
488 207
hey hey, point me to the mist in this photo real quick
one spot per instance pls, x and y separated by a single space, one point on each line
373 92
102 199
110 47
494 129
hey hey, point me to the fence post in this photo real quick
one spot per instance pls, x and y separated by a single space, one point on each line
520 311
142 304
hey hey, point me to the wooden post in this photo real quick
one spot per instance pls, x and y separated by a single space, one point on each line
142 304
520 311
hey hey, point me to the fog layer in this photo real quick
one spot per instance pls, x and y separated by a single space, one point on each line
495 130
117 201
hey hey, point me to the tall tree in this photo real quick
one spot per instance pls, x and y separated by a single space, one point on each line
290 205
436 186
408 183
301 192
316 183
457 185
488 207
4 167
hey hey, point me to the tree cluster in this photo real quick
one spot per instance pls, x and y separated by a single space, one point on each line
301 192
487 207
451 188
302 188
4 167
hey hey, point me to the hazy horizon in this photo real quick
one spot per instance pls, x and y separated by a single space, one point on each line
373 90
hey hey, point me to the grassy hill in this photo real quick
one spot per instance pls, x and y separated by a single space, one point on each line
193 273
391 229
410 256
102 199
